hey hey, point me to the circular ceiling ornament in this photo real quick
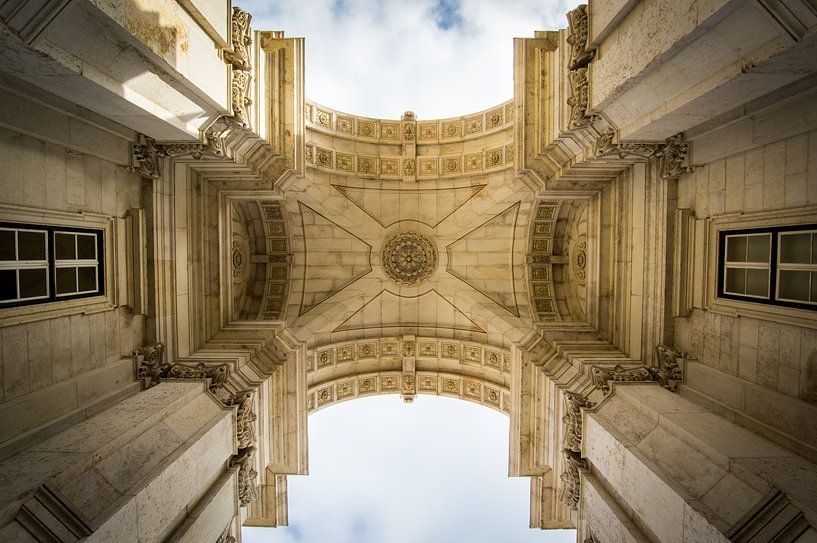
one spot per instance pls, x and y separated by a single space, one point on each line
409 258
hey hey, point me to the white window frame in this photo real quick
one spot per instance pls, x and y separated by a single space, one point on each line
707 233
10 316
746 265
18 265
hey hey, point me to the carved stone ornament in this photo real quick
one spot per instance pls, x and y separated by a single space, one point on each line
149 364
590 537
572 420
245 417
674 158
578 33
409 167
571 478
145 158
579 98
240 93
216 374
605 147
247 476
409 258
241 38
226 536
668 373
214 137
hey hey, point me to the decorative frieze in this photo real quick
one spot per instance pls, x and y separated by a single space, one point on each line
543 228
674 158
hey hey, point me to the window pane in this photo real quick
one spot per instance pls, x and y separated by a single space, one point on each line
87 279
86 247
31 245
736 249
66 280
8 284
814 248
6 244
759 247
33 283
795 248
757 282
794 285
735 280
64 247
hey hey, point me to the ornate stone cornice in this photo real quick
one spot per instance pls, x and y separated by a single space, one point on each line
578 35
674 158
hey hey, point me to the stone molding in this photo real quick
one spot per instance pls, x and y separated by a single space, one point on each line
151 369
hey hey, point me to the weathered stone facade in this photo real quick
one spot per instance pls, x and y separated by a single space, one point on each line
562 257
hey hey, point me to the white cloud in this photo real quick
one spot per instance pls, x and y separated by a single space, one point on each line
380 58
385 472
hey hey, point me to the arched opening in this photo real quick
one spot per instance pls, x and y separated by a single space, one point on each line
385 472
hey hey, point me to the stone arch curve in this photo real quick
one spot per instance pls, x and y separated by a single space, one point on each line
408 366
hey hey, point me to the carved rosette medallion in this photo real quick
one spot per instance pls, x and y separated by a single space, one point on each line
578 260
409 258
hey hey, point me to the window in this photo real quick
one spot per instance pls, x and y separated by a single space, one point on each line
776 265
41 264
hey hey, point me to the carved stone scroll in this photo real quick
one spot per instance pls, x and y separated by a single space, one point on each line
572 420
605 146
674 158
246 417
579 98
578 35
247 476
216 374
145 157
149 364
571 478
603 375
240 58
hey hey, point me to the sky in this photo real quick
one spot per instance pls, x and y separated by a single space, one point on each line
381 471
434 471
379 58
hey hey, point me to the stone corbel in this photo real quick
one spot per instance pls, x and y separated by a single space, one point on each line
674 158
590 537
240 59
214 137
581 54
145 158
247 476
245 417
149 364
226 536
572 447
571 478
578 36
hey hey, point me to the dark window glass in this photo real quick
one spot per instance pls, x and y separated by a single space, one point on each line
87 279
66 280
31 245
8 284
7 241
65 246
86 247
33 283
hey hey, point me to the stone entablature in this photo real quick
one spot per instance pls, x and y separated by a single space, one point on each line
438 148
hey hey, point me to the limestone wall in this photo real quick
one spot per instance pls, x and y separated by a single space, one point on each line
764 165
63 165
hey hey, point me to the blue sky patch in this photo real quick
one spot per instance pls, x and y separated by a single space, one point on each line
447 14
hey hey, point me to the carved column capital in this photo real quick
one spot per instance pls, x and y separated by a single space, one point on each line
674 158
145 158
